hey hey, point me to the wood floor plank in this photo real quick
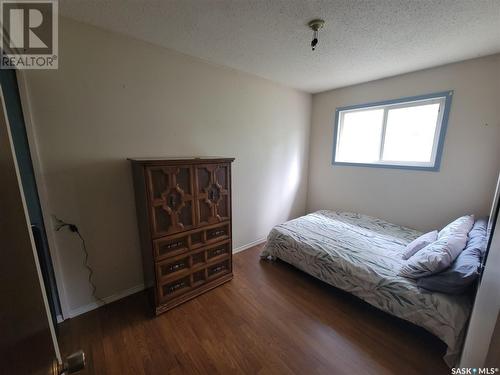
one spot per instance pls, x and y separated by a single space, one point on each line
270 319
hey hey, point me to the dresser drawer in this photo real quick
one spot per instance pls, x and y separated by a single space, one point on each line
192 261
170 246
218 233
219 250
218 269
175 288
180 274
171 267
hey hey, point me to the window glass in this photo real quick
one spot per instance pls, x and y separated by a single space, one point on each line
398 133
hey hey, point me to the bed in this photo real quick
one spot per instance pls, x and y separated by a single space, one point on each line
362 255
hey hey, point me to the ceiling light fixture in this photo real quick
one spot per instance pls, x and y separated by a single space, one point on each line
315 26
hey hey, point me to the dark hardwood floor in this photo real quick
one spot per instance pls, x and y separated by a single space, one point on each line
270 319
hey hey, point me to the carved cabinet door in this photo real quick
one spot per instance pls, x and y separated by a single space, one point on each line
171 191
212 184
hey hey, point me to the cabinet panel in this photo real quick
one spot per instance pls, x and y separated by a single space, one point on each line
171 195
212 184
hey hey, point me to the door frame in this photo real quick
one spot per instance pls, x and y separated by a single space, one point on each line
36 262
29 124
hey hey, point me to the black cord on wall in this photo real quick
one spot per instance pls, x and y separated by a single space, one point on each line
60 224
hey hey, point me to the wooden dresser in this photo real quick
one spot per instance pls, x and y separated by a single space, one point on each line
184 215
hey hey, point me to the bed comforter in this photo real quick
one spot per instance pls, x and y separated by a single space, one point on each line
362 255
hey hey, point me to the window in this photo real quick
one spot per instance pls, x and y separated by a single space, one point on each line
404 133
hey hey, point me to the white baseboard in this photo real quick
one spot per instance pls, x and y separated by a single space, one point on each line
124 293
249 245
114 297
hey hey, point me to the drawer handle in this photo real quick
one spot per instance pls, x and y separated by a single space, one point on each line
218 268
176 286
175 267
174 244
218 252
218 232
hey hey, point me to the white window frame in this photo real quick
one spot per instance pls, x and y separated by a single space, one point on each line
443 99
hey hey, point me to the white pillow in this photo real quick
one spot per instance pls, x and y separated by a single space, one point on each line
462 224
419 243
435 257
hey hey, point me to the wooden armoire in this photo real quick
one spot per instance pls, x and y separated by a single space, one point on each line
184 215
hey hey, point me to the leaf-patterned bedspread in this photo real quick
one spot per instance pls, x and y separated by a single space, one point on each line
362 255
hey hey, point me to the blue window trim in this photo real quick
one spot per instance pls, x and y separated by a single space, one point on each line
446 94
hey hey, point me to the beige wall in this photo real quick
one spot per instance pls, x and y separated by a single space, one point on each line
114 97
423 200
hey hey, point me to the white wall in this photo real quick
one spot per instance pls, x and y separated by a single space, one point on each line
423 200
114 97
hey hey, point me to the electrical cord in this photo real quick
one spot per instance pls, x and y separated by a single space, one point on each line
73 228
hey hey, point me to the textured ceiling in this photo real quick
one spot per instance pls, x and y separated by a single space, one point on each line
361 41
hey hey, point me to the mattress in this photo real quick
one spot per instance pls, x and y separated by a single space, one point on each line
362 255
